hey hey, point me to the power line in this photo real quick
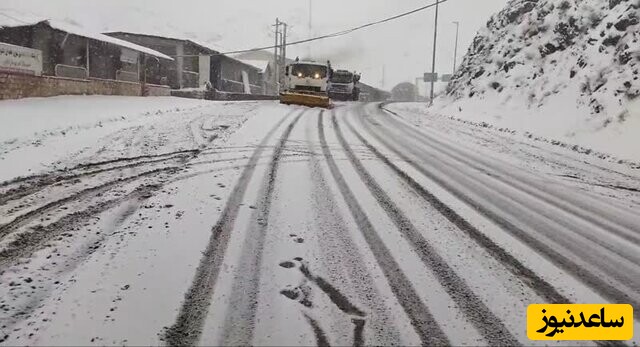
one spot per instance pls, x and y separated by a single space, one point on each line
332 35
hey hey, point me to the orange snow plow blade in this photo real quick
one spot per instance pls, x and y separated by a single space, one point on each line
309 100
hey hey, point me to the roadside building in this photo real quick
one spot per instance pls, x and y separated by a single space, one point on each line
196 65
233 74
260 58
90 63
265 73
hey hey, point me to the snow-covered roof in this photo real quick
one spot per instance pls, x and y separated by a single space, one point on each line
260 64
12 18
208 46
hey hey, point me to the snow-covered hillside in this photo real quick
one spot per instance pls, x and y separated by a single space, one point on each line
561 68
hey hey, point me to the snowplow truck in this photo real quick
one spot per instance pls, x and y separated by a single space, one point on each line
343 86
305 83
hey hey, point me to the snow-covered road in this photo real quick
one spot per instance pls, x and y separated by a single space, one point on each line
258 223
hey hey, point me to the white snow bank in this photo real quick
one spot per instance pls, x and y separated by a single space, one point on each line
558 120
32 116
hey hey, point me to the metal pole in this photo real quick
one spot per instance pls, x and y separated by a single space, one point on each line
283 50
144 69
433 62
310 34
276 65
455 52
87 60
280 52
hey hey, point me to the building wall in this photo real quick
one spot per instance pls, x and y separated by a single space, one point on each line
58 47
104 60
158 68
16 86
225 73
232 70
20 36
231 76
73 51
37 37
42 37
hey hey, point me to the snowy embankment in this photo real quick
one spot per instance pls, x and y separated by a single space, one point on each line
565 70
40 133
618 142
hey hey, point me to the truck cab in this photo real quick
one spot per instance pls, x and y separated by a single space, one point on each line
343 85
307 77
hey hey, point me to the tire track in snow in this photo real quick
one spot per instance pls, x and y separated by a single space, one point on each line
535 282
615 267
563 202
57 177
335 243
27 217
49 175
240 322
27 243
421 319
617 246
598 284
67 224
187 328
482 318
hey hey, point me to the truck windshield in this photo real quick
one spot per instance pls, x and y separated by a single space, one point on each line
343 77
306 70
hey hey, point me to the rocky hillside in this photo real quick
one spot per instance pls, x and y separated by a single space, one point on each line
579 56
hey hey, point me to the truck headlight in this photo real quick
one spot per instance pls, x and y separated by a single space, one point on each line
316 76
299 74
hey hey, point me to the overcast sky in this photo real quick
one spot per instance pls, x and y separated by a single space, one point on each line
403 47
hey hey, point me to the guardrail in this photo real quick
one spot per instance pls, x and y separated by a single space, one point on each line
127 76
70 71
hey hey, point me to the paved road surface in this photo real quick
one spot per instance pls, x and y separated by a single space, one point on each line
348 226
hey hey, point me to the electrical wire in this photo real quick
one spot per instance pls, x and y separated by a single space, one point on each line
332 35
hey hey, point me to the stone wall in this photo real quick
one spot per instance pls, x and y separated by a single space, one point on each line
17 86
157 90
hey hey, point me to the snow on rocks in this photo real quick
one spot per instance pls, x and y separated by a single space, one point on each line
560 68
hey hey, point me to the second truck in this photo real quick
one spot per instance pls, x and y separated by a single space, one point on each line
343 86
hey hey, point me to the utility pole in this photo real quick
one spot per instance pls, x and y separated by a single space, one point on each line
382 81
455 51
283 51
276 63
310 33
433 61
